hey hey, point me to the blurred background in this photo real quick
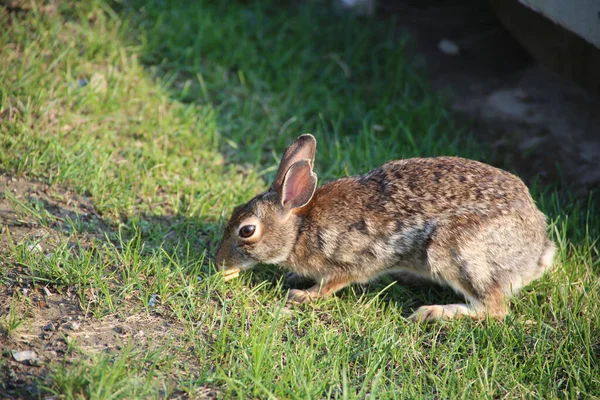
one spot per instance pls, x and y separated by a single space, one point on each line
527 72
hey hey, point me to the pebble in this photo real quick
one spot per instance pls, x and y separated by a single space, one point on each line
153 299
32 248
448 47
26 355
123 329
49 327
46 335
73 325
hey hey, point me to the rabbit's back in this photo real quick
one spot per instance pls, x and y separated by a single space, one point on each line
430 186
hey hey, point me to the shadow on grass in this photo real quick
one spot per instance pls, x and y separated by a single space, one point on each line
30 204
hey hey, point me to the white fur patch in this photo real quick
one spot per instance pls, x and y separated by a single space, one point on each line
328 238
547 257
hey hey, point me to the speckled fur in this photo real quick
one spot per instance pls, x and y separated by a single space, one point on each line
451 220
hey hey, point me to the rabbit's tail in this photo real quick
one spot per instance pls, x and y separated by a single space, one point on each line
547 257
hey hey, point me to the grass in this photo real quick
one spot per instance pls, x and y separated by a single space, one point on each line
164 115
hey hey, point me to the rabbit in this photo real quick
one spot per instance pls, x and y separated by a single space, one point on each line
450 220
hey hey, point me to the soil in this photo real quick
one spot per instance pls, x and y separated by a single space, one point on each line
51 318
51 322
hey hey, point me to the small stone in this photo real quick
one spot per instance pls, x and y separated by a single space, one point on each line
46 336
153 300
49 327
123 330
22 356
73 325
448 47
34 248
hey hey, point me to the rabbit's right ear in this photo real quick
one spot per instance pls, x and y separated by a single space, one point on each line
303 148
298 187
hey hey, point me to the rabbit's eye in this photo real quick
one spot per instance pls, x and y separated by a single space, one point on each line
247 230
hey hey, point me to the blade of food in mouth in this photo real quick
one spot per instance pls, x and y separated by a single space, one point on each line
231 274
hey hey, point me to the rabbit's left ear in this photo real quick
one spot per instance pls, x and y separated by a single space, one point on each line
298 186
303 148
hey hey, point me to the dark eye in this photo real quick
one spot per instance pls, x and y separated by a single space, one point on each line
247 230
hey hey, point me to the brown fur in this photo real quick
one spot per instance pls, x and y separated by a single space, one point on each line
455 221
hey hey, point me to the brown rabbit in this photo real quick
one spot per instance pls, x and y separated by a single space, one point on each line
451 220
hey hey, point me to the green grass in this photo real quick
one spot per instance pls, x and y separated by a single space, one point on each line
165 116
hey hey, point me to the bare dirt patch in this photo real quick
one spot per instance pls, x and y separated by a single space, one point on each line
52 322
33 211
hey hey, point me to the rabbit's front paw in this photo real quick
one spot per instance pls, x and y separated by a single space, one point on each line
299 296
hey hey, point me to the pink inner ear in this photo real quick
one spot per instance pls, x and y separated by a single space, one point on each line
295 184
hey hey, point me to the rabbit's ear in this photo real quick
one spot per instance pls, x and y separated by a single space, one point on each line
303 148
299 185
